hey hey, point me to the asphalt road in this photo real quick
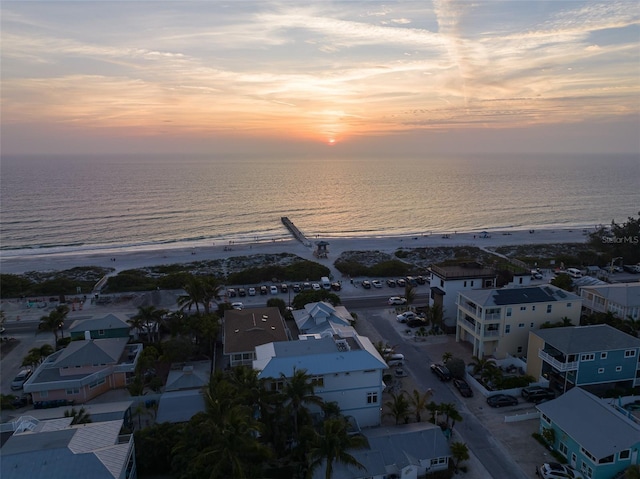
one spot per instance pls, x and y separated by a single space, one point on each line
478 438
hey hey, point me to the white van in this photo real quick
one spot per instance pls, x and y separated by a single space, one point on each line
326 284
395 360
574 272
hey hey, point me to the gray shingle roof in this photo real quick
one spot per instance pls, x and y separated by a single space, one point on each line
584 339
593 423
625 294
95 351
110 321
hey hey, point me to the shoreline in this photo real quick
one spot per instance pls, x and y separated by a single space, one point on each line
138 257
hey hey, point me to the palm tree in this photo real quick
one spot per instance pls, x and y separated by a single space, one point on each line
298 392
446 357
36 356
481 365
54 321
451 412
200 291
460 452
409 293
419 402
147 319
331 446
436 315
398 407
79 417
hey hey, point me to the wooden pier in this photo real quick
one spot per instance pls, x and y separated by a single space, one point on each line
297 234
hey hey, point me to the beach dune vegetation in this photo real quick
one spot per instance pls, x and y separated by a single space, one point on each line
51 283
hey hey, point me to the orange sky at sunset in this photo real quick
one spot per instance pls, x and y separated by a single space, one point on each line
359 76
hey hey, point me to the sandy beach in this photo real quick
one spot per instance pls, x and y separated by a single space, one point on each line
123 259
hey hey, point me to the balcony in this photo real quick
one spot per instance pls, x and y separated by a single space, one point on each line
468 308
468 325
563 367
489 316
491 333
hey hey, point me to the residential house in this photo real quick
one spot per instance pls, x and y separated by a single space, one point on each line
316 318
597 357
591 434
113 325
84 370
55 448
244 330
344 368
621 299
497 321
408 451
182 397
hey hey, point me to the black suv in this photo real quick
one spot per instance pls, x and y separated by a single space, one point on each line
441 371
537 394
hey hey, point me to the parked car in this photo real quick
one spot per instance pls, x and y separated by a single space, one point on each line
366 284
316 287
252 291
306 286
273 289
537 394
21 401
406 316
401 282
242 292
416 323
391 283
554 470
441 371
263 290
231 292
397 300
284 288
499 400
296 288
21 378
237 305
336 286
420 280
463 388
376 283
400 373
395 359
535 274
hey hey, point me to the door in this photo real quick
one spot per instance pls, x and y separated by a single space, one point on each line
574 460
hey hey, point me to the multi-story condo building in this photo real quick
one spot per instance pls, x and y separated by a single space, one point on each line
622 299
597 357
497 321
345 368
448 280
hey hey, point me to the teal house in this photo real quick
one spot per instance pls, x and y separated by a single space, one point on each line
594 436
113 325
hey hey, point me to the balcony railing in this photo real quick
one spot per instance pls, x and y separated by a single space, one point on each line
467 324
468 308
570 366
492 333
492 316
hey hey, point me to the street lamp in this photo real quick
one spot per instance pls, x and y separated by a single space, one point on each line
613 261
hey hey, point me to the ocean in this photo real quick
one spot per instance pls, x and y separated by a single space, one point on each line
103 203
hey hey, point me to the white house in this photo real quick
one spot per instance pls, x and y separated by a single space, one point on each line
497 321
317 318
345 368
448 280
622 299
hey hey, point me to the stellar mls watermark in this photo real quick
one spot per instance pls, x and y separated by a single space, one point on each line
621 240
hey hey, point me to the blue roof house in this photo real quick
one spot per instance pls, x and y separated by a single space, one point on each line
345 368
591 433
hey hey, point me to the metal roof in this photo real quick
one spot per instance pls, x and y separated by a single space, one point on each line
585 339
592 422
624 294
513 296
110 321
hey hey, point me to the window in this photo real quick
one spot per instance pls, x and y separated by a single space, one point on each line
519 349
464 285
439 461
523 308
626 454
549 307
531 325
564 450
618 369
441 284
546 419
630 353
317 381
587 470
588 454
603 355
509 312
568 305
606 460
100 332
600 370
533 308
521 325
277 385
372 398
96 383
472 284
507 329
587 357
520 280
73 391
